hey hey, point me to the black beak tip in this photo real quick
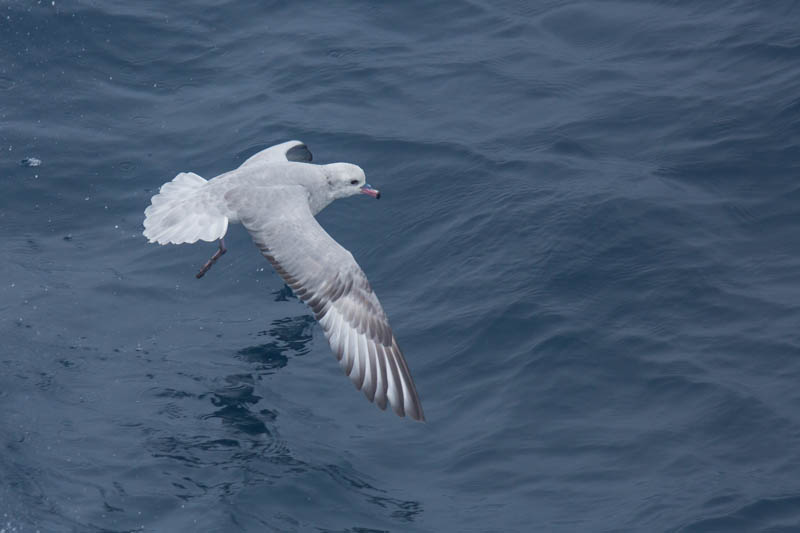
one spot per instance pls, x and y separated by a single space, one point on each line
378 196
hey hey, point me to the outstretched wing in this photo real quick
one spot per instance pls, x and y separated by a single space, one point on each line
289 151
327 278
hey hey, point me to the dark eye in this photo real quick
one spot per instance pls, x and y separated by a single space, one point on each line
353 182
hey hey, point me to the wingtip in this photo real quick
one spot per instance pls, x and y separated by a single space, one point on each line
417 413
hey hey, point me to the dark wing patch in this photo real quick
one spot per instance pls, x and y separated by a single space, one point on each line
299 153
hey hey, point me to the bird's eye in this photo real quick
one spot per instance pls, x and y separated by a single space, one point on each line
353 182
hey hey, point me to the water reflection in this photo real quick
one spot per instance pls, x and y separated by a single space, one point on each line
284 294
238 428
236 446
289 337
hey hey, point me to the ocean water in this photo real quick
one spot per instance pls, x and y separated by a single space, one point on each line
587 247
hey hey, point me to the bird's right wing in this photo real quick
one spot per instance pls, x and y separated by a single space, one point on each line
327 278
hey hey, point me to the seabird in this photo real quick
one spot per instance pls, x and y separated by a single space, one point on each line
275 194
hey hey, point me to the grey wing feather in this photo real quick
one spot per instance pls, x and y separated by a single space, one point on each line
327 278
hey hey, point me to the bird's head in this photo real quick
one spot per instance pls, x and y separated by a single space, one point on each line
345 179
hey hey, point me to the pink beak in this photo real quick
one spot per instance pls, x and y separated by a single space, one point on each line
368 190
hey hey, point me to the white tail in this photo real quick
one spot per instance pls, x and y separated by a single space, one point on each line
182 212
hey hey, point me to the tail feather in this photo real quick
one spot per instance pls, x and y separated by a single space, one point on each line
181 212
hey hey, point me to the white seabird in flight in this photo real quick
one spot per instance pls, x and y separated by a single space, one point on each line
275 195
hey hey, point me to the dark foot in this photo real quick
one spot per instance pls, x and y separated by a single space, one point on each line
213 259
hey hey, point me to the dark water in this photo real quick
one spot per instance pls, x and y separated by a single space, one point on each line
588 247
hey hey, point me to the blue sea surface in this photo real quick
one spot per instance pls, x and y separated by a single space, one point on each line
588 247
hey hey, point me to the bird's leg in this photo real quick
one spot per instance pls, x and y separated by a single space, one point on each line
213 259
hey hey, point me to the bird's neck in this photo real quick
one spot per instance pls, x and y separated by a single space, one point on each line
319 197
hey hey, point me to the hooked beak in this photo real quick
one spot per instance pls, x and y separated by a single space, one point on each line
368 190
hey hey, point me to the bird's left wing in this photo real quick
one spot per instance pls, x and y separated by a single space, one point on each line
327 278
295 151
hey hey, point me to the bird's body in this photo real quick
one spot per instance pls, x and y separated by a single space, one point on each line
275 195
